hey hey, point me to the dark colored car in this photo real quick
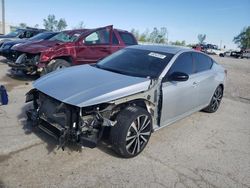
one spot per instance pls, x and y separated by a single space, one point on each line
7 52
72 47
235 54
20 34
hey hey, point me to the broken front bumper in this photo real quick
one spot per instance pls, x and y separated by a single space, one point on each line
27 63
61 121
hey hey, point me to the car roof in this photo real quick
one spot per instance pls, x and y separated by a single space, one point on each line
161 48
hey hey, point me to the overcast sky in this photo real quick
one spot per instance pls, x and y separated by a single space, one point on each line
220 20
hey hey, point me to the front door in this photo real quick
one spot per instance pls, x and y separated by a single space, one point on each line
95 46
179 98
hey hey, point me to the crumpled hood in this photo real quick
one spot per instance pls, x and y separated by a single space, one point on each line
37 46
86 85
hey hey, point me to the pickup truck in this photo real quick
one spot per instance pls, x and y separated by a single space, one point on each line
72 47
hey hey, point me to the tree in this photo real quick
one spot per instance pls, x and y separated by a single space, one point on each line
22 25
179 43
61 24
201 38
54 25
144 37
81 25
135 33
243 39
158 35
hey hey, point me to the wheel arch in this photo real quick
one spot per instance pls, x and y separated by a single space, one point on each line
69 59
143 103
222 86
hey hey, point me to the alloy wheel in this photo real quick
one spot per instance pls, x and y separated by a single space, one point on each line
138 134
217 99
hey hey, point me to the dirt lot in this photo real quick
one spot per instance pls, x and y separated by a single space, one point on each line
203 150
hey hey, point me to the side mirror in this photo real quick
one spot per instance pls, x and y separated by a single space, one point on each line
178 76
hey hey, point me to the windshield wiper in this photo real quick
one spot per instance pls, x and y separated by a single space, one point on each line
109 69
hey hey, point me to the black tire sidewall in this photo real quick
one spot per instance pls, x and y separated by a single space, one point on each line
119 132
209 108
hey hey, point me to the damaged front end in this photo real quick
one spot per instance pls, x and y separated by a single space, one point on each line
68 123
25 62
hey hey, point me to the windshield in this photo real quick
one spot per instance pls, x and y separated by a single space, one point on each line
14 33
42 36
65 37
136 62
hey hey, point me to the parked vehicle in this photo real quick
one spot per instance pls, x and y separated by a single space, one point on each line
7 52
20 34
231 53
134 92
71 48
246 53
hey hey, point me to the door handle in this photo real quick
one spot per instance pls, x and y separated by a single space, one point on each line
195 84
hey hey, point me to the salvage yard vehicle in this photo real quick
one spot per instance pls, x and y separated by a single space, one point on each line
246 53
71 48
7 52
231 53
20 34
134 92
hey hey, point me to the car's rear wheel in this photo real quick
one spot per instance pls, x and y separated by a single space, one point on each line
132 131
215 101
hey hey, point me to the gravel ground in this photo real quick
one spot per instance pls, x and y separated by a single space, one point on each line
202 150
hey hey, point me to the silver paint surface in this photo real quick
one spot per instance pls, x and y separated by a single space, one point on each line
86 85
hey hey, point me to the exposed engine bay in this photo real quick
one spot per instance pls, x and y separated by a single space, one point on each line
65 122
26 62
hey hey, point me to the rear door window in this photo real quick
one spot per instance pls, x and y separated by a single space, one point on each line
127 38
183 63
202 62
114 39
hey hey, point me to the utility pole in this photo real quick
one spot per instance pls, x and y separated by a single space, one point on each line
3 17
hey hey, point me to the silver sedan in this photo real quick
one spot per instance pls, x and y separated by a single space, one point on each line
126 96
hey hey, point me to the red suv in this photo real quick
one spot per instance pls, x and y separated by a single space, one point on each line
69 48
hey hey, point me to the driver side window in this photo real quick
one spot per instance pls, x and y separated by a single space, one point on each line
183 63
98 37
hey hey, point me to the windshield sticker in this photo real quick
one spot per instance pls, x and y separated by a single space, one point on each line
153 54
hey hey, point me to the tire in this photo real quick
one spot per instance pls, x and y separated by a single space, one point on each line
215 101
58 64
125 136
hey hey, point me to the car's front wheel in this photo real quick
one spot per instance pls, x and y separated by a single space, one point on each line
215 101
132 131
56 65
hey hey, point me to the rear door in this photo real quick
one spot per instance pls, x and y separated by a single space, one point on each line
95 46
179 98
205 78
